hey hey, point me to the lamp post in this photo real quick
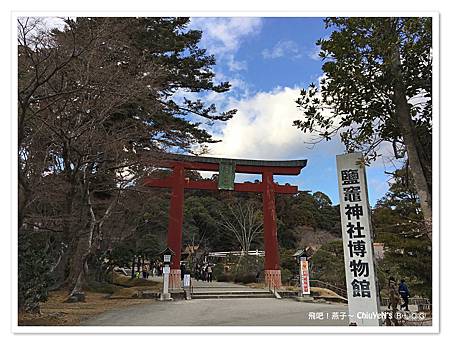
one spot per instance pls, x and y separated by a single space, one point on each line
167 258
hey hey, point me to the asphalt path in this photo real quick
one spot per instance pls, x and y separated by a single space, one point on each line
223 312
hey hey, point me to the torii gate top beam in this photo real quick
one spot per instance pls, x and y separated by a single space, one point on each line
202 163
189 162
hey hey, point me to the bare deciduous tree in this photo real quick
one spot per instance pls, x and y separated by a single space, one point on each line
95 108
243 221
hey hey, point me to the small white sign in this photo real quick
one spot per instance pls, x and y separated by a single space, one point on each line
166 269
167 258
357 240
187 280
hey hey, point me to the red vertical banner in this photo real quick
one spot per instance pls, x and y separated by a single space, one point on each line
304 270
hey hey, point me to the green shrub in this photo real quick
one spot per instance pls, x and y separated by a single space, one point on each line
224 277
245 277
34 270
218 269
286 275
327 264
248 264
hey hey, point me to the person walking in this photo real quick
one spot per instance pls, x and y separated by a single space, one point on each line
160 269
209 271
145 271
204 273
404 293
394 300
182 270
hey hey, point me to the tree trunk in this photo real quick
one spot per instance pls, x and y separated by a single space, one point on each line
78 264
24 195
411 141
82 248
68 235
139 264
59 270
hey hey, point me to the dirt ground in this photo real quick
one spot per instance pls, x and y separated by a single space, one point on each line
56 312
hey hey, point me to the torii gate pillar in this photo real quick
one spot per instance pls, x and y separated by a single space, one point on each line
272 273
175 230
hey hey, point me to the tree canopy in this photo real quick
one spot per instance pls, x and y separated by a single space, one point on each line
397 224
376 90
98 102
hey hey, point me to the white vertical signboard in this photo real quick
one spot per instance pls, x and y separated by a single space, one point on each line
363 305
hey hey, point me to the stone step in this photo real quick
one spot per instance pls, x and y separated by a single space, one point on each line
209 291
219 287
231 296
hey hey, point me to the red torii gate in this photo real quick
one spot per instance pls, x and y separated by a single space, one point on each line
177 182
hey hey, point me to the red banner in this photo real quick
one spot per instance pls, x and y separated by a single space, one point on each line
304 276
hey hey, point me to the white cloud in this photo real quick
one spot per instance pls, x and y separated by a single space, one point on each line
236 66
224 35
314 53
281 49
263 129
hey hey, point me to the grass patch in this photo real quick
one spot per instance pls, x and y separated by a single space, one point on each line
103 288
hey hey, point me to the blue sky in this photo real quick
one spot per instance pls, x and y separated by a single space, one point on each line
284 46
268 60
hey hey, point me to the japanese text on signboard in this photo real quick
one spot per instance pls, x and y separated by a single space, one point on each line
304 276
356 233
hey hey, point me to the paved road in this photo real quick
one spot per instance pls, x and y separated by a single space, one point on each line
220 312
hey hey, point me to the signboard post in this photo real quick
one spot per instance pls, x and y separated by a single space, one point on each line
167 257
187 281
304 276
360 273
187 286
